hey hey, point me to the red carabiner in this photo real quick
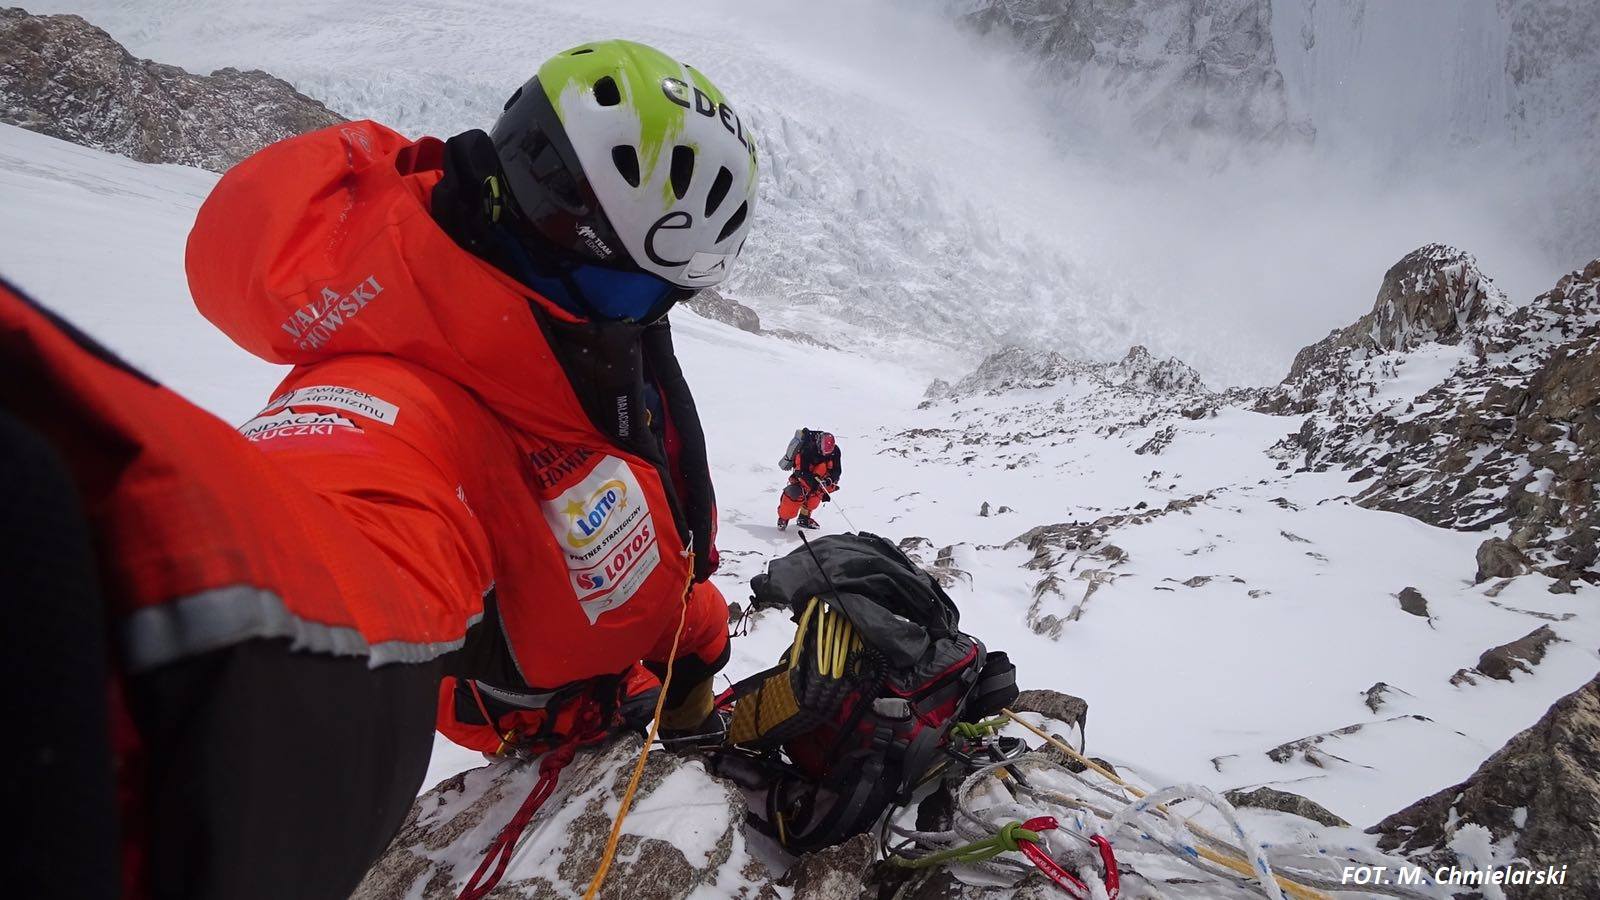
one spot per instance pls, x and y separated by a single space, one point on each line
1058 873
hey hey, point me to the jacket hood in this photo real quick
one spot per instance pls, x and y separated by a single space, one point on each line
322 245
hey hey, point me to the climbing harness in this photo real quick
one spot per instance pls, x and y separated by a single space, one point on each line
495 860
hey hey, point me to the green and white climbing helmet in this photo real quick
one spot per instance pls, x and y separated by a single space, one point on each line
621 155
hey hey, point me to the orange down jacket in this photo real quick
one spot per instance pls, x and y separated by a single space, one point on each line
446 452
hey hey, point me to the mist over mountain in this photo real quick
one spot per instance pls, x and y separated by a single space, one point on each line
1214 179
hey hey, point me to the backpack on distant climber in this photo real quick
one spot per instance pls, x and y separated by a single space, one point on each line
795 443
857 712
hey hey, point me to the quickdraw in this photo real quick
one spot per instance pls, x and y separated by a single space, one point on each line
1058 873
1025 837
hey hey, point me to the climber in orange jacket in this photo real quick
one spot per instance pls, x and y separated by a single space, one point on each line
481 494
815 464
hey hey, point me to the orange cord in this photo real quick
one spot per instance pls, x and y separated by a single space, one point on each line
638 767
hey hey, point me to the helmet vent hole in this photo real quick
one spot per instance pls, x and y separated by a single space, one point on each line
719 190
512 102
581 51
606 92
626 159
734 221
682 170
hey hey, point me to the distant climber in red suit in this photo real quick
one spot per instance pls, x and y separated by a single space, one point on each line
813 461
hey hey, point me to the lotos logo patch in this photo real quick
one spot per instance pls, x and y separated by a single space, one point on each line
604 528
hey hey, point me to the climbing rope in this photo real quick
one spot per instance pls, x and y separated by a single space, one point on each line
610 852
996 802
1253 863
1026 838
493 866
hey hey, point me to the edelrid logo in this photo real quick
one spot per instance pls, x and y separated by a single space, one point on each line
592 240
314 324
589 518
692 98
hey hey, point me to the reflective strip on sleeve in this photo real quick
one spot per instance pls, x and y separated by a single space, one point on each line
222 617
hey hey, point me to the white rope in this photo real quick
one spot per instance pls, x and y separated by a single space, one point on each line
1136 827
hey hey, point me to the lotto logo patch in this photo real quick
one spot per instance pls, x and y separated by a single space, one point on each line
607 535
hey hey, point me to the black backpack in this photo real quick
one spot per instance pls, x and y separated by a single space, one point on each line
857 713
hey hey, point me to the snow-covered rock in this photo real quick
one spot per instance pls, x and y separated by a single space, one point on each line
715 305
63 77
1464 413
1536 801
684 832
1434 294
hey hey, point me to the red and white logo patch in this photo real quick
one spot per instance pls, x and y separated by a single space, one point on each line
289 423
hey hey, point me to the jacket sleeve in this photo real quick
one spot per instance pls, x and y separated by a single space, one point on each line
372 444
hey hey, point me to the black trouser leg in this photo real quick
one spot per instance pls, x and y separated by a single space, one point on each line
278 774
56 775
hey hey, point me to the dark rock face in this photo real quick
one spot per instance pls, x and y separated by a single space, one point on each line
1499 558
1412 601
1521 655
63 77
1286 802
1509 438
1063 708
1540 791
1435 293
837 873
713 304
1212 68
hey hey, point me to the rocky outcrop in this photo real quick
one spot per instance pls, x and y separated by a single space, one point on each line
714 304
1536 801
837 873
1434 293
1520 655
1175 67
1051 399
63 77
1508 437
1018 368
717 306
1070 554
1284 802
1141 370
1412 601
661 854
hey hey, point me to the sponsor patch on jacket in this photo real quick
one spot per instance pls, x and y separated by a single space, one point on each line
292 423
349 399
607 535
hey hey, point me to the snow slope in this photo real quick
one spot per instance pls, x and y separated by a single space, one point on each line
1231 625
